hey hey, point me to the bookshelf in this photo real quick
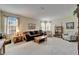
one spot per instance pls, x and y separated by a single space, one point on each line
58 31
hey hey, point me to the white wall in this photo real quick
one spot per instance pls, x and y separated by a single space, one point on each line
25 21
70 19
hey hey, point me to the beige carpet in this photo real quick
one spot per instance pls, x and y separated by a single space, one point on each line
53 46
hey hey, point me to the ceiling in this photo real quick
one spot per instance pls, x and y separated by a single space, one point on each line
40 11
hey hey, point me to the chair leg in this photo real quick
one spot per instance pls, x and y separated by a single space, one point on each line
0 51
4 49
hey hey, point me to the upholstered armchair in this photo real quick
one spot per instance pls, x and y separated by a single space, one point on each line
70 36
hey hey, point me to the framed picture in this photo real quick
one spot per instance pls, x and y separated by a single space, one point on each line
31 26
70 25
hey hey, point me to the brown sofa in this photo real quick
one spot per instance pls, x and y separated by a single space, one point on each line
31 34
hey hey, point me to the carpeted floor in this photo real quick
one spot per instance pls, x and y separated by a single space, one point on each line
53 46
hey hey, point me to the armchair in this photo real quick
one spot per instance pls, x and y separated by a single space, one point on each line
70 36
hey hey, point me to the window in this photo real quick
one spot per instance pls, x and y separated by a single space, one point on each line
10 25
46 26
43 26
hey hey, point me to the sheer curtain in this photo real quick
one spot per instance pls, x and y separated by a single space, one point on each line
46 25
43 26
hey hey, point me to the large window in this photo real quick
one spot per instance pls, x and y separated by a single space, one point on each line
46 25
43 26
11 24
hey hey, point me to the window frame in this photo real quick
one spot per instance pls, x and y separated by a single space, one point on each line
8 30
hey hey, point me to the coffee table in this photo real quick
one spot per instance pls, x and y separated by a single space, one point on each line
40 39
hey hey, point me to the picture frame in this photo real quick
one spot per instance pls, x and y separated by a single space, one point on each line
70 25
31 26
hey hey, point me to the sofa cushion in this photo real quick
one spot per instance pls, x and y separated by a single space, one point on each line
32 33
36 32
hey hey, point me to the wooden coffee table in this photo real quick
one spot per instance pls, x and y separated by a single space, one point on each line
40 39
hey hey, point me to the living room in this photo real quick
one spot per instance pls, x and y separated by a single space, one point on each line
56 27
